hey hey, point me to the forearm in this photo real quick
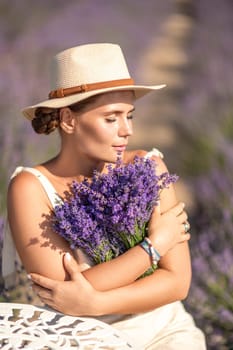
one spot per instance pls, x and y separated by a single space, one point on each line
126 268
78 297
170 282
119 272
129 266
141 296
161 288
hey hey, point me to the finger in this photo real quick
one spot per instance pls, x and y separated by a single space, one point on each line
42 293
156 210
186 227
178 209
183 217
186 237
158 207
71 266
53 305
42 281
49 302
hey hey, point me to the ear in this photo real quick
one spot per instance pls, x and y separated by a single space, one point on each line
67 120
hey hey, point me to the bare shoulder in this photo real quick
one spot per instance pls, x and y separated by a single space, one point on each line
24 186
23 181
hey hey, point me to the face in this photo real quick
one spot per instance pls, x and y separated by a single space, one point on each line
102 130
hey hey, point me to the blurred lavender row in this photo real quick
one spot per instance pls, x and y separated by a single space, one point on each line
211 297
208 163
198 109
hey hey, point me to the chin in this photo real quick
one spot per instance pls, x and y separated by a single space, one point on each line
111 160
112 157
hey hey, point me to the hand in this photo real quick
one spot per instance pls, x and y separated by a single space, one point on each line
75 297
167 229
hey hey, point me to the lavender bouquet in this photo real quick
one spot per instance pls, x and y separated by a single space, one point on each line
109 214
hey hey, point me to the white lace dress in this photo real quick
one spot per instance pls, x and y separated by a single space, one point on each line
168 327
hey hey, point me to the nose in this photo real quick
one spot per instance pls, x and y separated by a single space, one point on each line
125 128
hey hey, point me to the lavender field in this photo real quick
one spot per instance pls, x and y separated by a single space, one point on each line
186 44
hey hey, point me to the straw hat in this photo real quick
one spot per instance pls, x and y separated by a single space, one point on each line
83 71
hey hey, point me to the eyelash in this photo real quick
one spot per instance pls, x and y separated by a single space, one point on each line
129 117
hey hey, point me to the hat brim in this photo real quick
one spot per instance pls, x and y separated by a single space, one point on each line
139 90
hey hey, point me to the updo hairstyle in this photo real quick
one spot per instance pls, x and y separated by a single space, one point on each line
47 119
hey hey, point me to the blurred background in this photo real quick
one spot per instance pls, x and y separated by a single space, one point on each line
186 44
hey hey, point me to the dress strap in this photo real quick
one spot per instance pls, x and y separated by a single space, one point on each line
154 152
53 196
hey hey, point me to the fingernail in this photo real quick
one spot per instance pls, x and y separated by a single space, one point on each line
29 277
68 256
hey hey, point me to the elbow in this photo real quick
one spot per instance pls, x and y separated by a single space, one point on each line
181 284
183 294
183 288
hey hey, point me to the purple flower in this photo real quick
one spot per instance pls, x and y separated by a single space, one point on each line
108 215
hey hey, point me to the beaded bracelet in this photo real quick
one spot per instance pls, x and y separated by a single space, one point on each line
151 251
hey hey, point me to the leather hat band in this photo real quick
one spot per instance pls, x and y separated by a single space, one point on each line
89 87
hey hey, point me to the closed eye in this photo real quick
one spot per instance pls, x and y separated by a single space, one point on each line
110 120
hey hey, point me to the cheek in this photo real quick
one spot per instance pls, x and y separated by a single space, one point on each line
104 134
97 133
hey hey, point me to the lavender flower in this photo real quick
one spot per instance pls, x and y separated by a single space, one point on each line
108 215
210 299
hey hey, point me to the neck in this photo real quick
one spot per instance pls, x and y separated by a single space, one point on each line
64 165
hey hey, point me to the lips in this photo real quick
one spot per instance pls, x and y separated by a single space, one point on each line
120 148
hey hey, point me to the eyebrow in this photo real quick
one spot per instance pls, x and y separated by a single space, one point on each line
132 110
118 111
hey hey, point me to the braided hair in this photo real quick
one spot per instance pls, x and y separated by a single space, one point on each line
47 119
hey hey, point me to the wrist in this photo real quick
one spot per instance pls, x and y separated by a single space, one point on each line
100 304
147 245
158 243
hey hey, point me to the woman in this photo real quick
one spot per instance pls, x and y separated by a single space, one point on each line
92 102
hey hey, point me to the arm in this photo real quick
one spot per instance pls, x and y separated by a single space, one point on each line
78 297
169 283
39 246
175 262
29 214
